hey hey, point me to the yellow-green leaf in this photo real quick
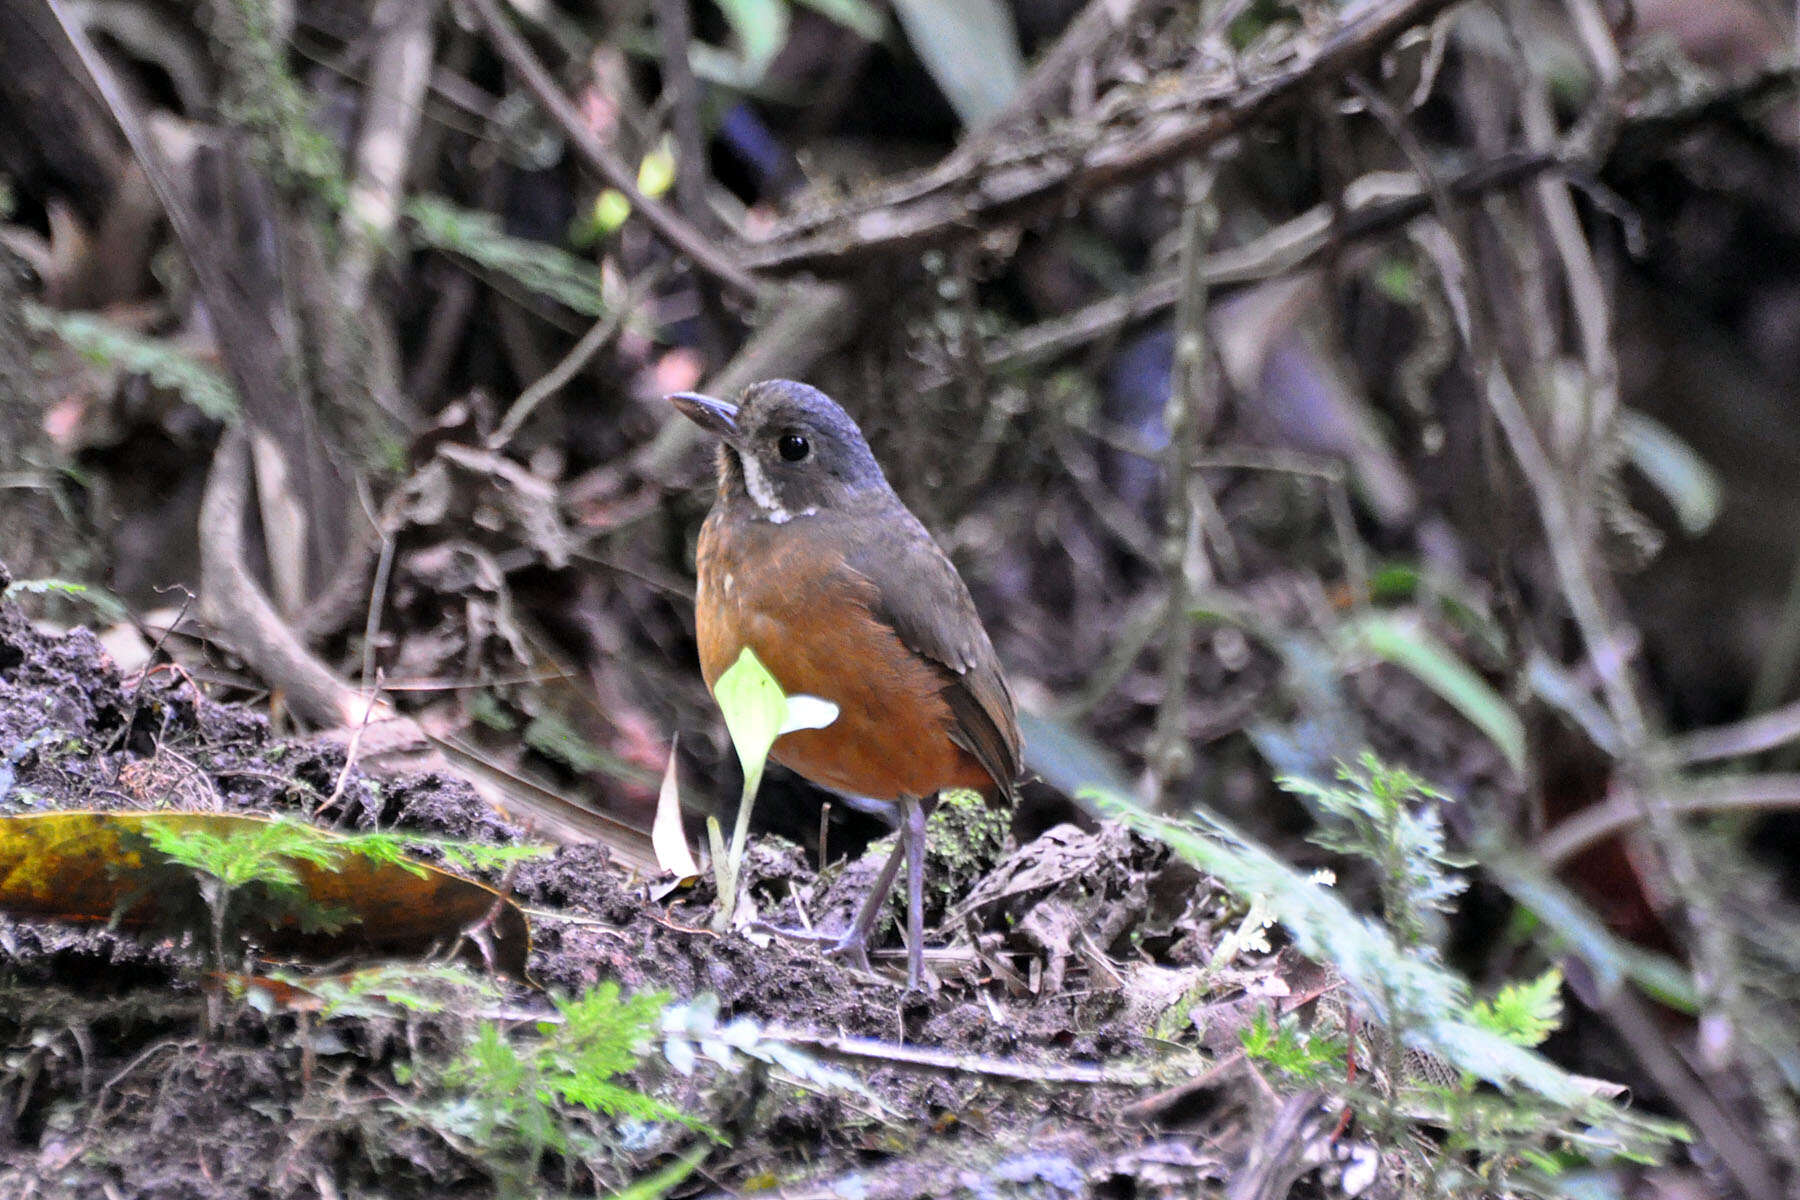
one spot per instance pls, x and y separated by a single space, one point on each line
98 867
756 712
754 707
656 173
611 211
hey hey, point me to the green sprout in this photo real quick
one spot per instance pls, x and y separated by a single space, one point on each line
1282 1044
756 712
225 864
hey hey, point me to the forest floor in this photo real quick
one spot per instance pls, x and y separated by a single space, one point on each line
132 1073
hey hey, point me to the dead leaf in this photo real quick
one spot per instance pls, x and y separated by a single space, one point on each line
96 867
667 835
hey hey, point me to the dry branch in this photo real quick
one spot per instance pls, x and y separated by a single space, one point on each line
1376 204
1010 182
682 236
231 599
1050 76
1752 793
403 63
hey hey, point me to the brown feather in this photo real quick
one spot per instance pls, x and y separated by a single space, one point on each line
923 598
813 562
807 616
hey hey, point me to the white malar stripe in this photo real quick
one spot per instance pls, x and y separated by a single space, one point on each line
757 484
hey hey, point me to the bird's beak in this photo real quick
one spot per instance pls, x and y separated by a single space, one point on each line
714 416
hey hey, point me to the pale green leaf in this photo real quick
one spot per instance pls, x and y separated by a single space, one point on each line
1685 479
754 707
859 16
971 50
1411 647
761 29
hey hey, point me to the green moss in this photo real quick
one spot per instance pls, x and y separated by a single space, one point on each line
1176 1022
964 836
263 97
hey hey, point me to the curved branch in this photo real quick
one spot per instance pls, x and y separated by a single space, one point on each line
1011 179
234 604
1758 793
609 166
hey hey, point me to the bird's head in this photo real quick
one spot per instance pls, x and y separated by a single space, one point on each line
786 448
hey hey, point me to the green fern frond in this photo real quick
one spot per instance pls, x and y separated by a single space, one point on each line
536 266
1424 1003
1390 817
1524 1013
108 345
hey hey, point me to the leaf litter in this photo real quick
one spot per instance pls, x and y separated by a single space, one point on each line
1060 1053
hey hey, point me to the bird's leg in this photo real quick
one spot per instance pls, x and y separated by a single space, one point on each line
854 945
912 837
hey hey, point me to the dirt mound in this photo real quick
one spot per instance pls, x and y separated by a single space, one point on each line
118 1082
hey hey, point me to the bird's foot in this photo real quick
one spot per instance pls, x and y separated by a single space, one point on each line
853 949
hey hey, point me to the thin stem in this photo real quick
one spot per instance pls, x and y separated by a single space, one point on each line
727 875
1190 412
609 166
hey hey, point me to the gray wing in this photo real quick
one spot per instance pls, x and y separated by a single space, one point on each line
928 605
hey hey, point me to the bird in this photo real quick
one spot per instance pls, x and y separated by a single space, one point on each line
810 559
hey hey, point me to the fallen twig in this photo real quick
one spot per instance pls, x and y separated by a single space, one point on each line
920 1058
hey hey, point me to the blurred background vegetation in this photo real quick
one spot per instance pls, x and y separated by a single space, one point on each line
1285 379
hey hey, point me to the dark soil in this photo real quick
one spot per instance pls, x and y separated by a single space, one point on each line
116 1082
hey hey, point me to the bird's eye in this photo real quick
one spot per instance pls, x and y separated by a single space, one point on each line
793 447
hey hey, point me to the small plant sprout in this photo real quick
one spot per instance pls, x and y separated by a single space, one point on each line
226 863
756 712
1524 1012
1281 1043
508 1095
1393 819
